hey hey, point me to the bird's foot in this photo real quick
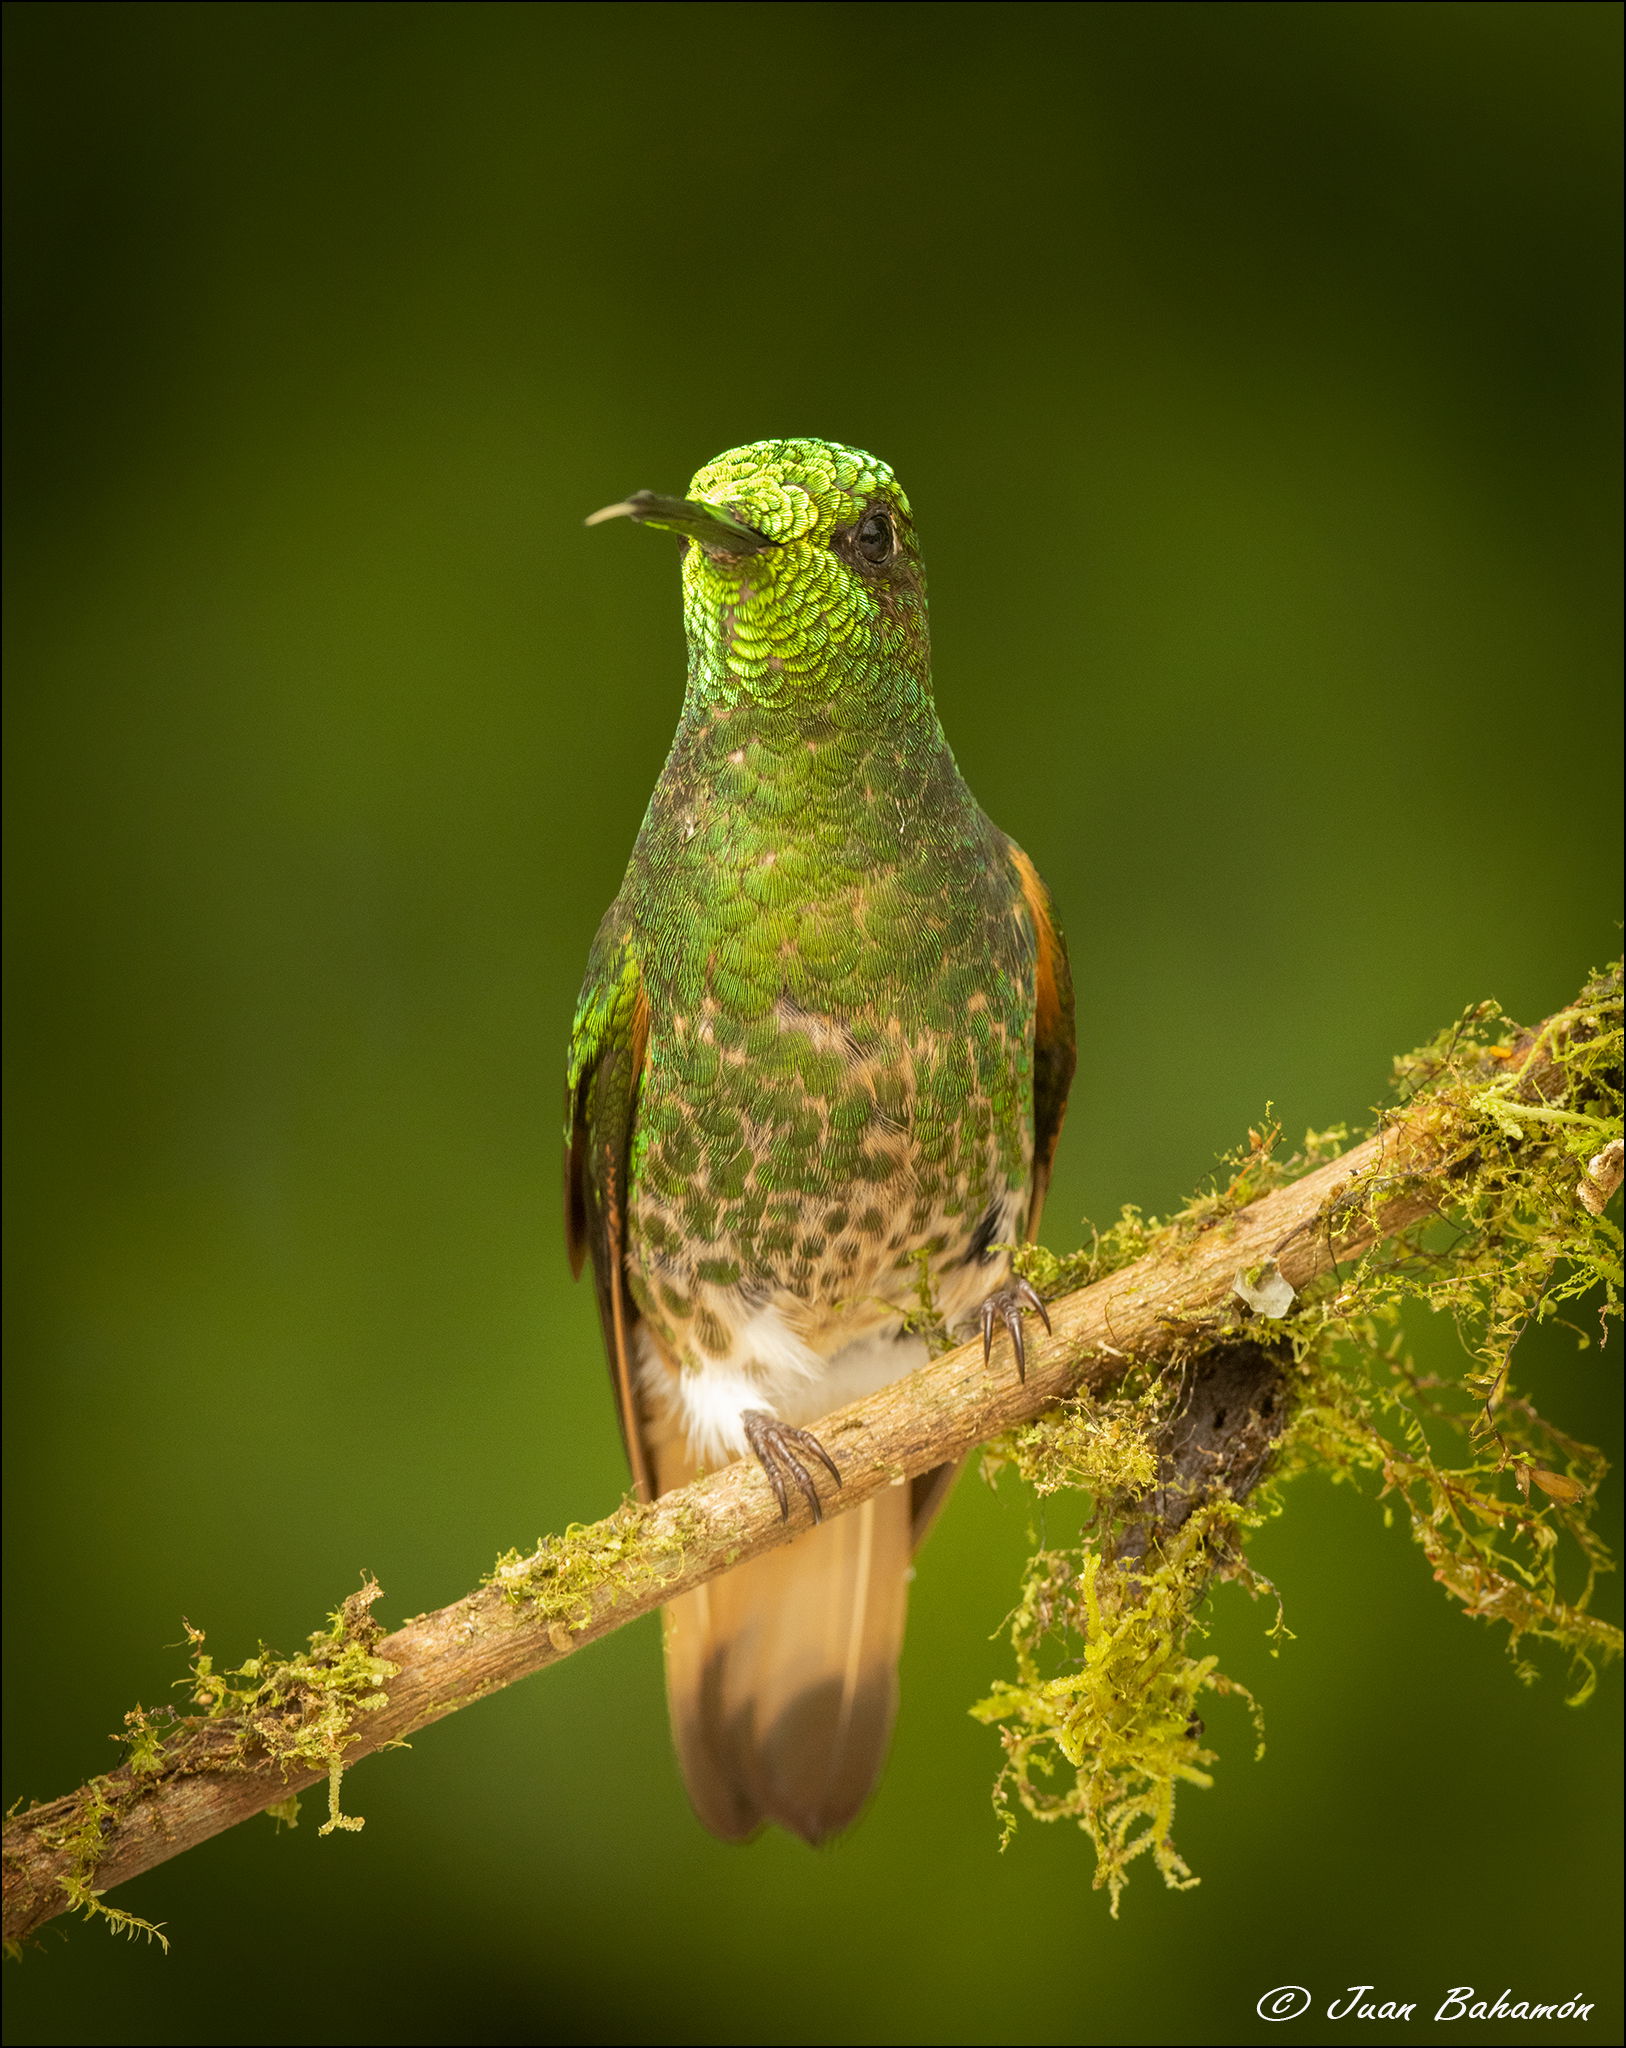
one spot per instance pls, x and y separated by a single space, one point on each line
774 1444
1007 1305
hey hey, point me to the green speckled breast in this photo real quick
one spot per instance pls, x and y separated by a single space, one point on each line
839 1071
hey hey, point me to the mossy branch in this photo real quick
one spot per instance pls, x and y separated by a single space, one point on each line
1228 1269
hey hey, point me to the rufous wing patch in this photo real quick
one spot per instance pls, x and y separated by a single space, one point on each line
1054 1046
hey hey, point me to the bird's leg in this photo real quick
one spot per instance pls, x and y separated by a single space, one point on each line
1007 1305
774 1445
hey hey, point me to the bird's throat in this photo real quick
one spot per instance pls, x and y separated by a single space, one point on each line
790 631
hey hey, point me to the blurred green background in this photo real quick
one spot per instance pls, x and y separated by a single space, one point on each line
1253 373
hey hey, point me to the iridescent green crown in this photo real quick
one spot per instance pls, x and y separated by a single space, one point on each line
796 490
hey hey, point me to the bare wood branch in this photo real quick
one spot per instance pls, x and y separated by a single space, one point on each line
214 1775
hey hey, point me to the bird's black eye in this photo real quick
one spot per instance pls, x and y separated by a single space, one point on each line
875 540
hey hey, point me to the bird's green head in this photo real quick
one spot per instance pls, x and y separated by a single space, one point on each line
800 575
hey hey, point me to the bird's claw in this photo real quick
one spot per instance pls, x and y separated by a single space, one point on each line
774 1444
1007 1305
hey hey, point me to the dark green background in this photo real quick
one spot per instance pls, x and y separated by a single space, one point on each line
1252 370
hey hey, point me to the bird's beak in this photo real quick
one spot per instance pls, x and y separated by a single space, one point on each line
714 529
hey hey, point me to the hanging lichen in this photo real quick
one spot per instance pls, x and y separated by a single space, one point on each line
1100 1723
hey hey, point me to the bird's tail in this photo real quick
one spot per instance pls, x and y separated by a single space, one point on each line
782 1676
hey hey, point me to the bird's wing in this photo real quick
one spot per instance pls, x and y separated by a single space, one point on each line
1054 1057
607 1046
1054 1047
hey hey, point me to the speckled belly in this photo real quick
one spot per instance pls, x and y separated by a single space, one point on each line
786 1179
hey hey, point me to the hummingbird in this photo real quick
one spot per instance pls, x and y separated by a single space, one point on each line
820 1061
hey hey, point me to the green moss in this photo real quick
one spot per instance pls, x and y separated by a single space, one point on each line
83 1838
562 1578
302 1711
1100 1448
1108 1741
1100 1724
144 1737
1100 1721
